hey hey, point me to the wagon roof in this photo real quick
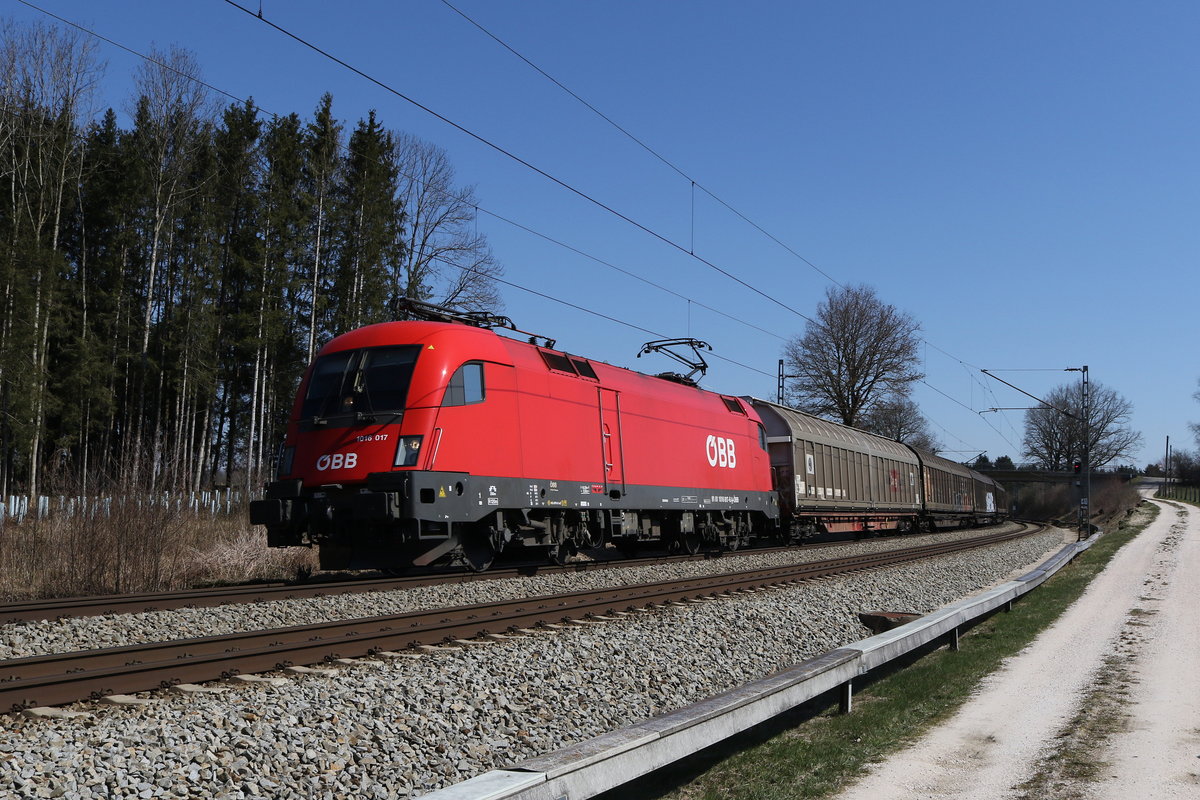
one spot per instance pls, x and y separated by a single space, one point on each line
783 421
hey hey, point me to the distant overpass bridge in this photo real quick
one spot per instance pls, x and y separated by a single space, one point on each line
1007 476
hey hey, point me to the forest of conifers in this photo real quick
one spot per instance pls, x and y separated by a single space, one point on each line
163 283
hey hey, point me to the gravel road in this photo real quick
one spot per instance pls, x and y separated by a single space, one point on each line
1136 624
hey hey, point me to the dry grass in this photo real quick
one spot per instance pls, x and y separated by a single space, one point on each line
135 548
1111 498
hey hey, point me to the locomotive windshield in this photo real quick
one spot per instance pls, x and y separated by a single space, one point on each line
357 382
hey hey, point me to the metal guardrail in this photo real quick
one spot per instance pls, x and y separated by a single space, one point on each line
608 761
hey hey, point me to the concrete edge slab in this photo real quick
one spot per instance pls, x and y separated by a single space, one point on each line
494 785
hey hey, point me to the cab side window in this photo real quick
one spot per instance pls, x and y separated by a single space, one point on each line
466 385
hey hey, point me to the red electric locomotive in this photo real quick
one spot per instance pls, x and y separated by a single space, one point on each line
425 441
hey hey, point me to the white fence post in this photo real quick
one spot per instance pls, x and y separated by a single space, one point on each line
15 508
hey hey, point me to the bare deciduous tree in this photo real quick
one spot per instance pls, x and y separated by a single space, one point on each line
172 108
857 351
47 78
899 418
1185 466
172 104
1053 439
444 257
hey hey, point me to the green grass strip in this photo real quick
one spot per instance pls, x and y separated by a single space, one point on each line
820 755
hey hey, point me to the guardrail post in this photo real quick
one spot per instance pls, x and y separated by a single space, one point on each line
846 704
954 639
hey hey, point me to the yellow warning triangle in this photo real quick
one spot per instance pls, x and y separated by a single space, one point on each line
441 492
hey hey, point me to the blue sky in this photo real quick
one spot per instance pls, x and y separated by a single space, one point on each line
1021 177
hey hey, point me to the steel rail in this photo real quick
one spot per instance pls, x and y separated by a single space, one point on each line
97 605
64 678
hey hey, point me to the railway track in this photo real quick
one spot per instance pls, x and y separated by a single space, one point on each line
98 605
60 608
64 678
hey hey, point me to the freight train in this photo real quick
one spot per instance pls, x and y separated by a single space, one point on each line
441 440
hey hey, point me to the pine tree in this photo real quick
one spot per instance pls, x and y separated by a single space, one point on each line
163 288
238 204
279 357
322 161
368 229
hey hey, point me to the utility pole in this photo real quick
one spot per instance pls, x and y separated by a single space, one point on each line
1085 487
779 383
1087 454
1084 465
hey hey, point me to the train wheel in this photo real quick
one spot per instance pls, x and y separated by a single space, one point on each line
478 552
690 542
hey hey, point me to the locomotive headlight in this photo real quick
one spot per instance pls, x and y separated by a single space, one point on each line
407 451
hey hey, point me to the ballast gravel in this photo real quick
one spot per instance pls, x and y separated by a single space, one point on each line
405 725
21 640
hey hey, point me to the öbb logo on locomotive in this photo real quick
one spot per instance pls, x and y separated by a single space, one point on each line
461 437
720 452
337 461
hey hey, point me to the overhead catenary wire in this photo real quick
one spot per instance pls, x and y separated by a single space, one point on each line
679 170
518 159
235 98
511 284
626 272
563 184
548 176
694 184
346 148
129 50
601 316
580 193
968 408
